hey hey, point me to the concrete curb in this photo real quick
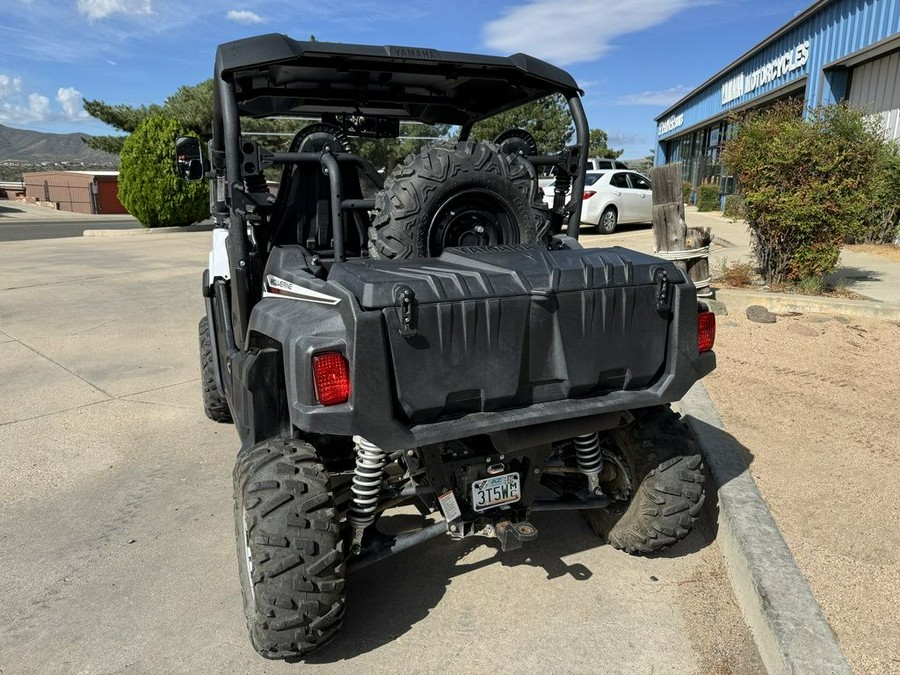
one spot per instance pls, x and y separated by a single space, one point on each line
140 231
778 605
739 300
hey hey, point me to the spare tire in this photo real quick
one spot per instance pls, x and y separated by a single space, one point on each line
455 194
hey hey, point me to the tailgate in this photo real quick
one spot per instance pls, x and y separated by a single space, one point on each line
481 330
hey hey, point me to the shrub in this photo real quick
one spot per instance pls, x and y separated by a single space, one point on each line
686 189
734 207
883 223
736 273
708 198
805 183
148 185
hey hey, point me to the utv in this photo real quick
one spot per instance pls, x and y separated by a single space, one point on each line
432 338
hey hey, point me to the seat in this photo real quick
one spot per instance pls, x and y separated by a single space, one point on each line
301 214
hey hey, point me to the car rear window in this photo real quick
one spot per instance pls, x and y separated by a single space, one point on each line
592 178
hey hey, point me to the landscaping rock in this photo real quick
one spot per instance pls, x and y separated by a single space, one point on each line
760 314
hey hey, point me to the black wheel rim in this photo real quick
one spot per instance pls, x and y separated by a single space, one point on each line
472 218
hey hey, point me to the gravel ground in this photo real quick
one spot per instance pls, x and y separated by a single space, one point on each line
814 399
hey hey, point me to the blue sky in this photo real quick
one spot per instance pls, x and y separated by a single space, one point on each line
632 57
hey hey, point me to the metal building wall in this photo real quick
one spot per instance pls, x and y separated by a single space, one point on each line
836 30
875 86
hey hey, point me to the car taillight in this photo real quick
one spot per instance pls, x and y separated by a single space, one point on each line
331 375
706 331
588 194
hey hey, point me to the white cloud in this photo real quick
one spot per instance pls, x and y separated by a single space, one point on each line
619 139
38 106
9 85
243 16
100 9
70 101
20 108
566 33
662 98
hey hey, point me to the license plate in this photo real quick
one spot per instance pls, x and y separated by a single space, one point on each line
494 491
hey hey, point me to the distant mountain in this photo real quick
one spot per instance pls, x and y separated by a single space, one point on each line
35 147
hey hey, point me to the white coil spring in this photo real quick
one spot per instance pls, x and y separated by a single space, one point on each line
588 454
370 462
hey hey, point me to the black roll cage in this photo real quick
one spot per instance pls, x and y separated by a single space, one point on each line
227 184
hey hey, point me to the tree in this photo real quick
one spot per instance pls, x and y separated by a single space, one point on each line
548 120
386 153
809 184
148 185
599 147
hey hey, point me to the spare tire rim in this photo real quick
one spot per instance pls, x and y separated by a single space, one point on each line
472 217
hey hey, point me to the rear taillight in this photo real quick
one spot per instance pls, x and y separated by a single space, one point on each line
706 331
331 375
588 194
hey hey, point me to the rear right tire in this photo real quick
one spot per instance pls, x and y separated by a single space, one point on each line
660 484
608 221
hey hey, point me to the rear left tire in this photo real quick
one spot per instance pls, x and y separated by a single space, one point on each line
290 552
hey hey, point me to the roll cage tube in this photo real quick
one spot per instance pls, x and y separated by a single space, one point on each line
227 142
582 139
227 138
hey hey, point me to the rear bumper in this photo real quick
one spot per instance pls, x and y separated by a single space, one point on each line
371 411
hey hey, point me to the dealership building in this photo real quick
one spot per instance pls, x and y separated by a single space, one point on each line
836 50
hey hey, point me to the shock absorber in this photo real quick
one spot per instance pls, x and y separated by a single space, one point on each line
590 459
367 478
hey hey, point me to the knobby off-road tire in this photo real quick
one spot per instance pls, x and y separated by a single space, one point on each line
667 479
215 407
289 547
455 194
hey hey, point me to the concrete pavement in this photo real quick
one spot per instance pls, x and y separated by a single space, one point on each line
116 534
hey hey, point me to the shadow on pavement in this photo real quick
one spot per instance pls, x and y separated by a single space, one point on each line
850 276
725 458
9 209
389 597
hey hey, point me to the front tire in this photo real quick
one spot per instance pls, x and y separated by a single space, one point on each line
215 407
659 483
290 554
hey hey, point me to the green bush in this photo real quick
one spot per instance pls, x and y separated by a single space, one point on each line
882 226
148 185
735 207
708 198
806 184
686 189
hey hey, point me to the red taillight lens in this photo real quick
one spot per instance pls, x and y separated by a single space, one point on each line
706 331
588 194
331 375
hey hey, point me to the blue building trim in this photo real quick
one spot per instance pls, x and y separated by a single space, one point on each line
807 53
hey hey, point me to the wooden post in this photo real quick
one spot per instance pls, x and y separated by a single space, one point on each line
670 231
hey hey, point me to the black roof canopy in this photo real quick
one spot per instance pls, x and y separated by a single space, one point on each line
274 75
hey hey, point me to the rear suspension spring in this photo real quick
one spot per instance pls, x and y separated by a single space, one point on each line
367 479
590 459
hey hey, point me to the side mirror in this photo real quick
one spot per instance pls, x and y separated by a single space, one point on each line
189 158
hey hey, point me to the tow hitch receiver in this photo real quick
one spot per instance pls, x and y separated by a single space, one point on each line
511 535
